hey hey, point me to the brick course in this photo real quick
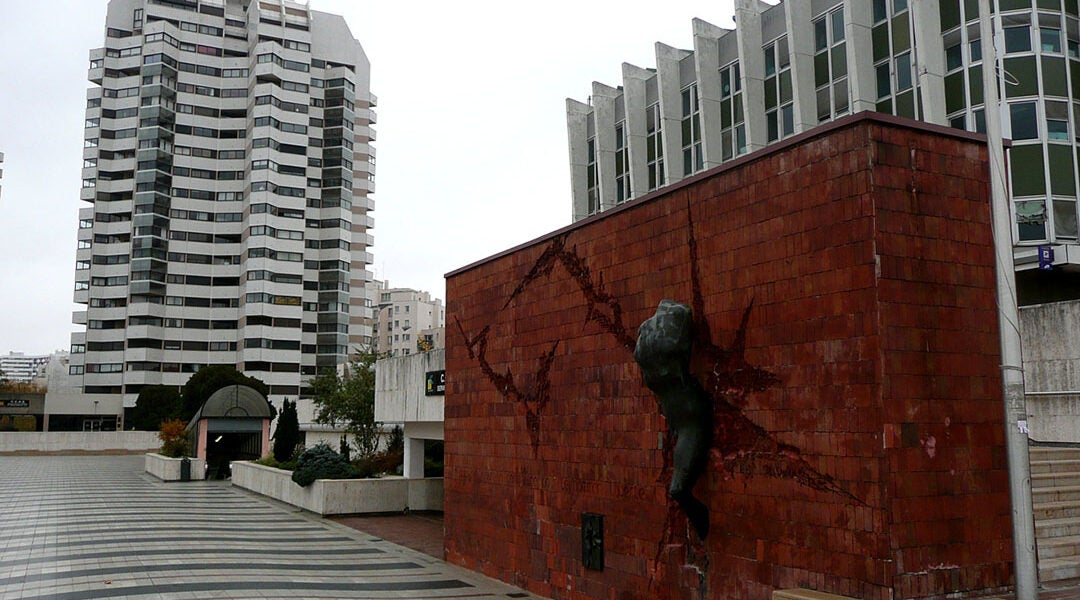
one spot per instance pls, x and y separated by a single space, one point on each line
843 289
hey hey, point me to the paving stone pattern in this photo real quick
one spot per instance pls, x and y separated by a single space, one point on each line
84 527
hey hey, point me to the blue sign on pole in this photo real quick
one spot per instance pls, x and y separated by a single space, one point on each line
1046 258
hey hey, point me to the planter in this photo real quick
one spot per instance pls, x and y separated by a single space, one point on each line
341 496
169 469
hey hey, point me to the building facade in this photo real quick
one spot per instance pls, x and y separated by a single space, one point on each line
19 367
227 180
407 321
789 67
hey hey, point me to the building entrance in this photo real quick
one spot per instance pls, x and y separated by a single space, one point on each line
224 448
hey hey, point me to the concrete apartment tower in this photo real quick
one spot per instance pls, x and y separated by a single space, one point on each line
227 175
404 317
786 68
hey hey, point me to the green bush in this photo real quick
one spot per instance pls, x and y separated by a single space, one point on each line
321 462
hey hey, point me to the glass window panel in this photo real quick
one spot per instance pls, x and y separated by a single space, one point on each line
1051 39
782 56
903 72
840 95
980 121
1031 220
1065 219
954 57
839 61
824 104
879 10
821 35
1017 39
1024 123
975 50
770 60
884 80
899 5
837 25
787 115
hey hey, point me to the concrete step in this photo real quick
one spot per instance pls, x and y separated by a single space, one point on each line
1056 510
804 594
1056 528
1057 569
1061 547
1055 494
1055 466
1045 480
1053 453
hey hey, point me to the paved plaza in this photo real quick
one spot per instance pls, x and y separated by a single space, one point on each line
83 527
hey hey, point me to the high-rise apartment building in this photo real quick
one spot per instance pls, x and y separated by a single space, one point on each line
407 321
789 67
227 175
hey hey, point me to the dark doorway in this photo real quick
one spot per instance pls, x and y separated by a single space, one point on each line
224 447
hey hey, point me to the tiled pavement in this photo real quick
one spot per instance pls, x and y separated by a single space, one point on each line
85 527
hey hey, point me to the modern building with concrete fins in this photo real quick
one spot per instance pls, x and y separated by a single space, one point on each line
789 67
227 181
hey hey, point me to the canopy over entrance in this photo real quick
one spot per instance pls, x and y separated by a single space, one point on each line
233 424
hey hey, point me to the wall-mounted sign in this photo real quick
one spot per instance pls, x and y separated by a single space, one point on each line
435 383
15 403
1046 258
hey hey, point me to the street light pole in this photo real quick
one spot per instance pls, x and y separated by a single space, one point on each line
1012 366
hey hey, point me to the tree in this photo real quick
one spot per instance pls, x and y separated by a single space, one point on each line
212 378
174 440
348 400
287 434
155 404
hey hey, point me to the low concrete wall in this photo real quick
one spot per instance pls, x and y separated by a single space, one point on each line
1054 417
168 469
78 442
340 496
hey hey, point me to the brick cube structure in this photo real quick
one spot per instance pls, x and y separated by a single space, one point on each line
842 288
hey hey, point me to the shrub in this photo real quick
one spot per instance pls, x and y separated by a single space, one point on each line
174 440
287 434
321 462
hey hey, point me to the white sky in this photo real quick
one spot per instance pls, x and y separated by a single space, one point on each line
471 133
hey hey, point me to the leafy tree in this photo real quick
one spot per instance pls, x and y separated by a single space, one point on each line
212 378
156 403
348 400
174 439
287 434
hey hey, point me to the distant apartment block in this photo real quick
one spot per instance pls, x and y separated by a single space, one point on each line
791 66
227 177
18 367
407 321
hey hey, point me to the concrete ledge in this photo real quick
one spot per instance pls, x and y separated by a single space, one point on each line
341 496
803 594
77 442
168 469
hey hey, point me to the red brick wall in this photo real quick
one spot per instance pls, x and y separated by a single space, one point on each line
842 288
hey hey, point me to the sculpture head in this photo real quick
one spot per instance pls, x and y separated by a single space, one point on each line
664 340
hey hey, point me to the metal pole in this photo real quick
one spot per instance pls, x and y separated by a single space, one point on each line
1012 374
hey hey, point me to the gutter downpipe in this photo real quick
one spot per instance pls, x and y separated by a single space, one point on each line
1012 374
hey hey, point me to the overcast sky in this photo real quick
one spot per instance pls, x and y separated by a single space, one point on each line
471 132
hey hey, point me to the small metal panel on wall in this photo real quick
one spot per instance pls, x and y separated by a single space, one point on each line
592 541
